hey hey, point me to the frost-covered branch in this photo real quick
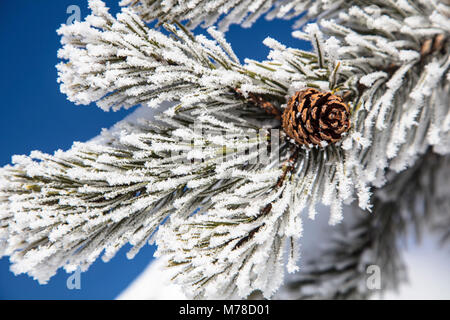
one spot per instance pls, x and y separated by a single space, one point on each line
398 55
121 63
65 210
225 13
238 247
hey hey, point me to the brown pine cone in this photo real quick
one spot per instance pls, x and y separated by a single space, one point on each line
312 116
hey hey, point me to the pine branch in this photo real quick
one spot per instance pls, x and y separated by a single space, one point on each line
122 63
167 187
65 210
225 13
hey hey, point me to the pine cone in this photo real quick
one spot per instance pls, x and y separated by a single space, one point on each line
312 116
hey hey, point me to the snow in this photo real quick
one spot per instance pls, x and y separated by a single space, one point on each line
152 284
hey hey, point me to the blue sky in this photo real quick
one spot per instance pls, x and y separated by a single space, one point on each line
36 116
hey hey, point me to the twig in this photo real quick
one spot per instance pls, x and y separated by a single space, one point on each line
259 101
